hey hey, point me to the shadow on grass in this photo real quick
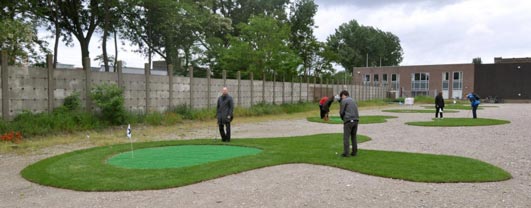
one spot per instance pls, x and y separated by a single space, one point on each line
88 170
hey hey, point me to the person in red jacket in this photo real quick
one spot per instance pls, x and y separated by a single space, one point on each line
324 112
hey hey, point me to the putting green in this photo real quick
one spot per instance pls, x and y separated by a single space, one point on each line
457 122
416 111
178 156
363 119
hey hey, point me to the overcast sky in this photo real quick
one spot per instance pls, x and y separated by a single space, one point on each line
431 32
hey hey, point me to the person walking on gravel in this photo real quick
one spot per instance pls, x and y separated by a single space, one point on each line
224 114
439 105
349 114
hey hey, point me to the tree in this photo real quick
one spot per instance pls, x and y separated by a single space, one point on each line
18 33
477 60
353 43
78 18
261 48
302 39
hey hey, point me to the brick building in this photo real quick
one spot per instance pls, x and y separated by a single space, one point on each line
453 80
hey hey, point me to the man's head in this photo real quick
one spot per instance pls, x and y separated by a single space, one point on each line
224 91
344 94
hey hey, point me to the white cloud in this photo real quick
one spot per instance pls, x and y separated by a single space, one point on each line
454 32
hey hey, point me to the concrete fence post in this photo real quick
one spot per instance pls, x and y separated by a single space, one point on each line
170 86
274 89
224 75
147 73
239 76
88 87
51 82
191 75
300 89
209 89
252 88
5 86
292 89
283 88
263 87
120 73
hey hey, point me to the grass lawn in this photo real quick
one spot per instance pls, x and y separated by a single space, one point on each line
452 106
363 119
416 111
89 170
454 122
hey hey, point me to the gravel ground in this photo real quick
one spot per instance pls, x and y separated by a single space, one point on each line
301 185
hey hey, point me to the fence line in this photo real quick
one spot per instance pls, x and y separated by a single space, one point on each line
43 89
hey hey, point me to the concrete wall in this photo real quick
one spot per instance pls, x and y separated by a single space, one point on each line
29 89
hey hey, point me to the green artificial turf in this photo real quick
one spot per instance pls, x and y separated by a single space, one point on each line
88 170
416 111
453 107
178 156
363 119
454 122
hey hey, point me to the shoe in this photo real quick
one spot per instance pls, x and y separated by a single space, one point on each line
353 154
344 155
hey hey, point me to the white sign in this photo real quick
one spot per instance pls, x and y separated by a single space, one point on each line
409 101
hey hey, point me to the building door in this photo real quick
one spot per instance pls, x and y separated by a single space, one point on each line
445 84
457 85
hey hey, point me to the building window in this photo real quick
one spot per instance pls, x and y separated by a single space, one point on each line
420 84
384 80
445 80
367 79
376 80
395 81
457 81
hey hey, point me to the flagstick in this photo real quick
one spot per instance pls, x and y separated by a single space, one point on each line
132 152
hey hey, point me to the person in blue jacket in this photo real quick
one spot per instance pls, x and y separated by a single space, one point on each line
474 102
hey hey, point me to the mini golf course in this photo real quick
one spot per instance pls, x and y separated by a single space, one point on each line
363 119
166 164
456 122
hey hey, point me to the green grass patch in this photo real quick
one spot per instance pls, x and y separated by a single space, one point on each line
363 119
88 170
454 107
454 122
416 111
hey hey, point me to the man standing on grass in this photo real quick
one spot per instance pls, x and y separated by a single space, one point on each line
224 111
349 114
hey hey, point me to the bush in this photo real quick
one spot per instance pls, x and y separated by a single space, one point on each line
72 102
109 98
61 120
194 114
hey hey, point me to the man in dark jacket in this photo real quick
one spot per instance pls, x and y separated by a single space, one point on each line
349 114
224 114
439 105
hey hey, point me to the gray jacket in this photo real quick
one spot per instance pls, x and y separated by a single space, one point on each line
224 108
348 110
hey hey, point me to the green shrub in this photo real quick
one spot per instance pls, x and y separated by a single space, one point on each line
72 102
109 98
194 114
171 118
60 120
154 118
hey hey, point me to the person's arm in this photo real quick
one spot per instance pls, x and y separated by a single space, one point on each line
231 107
342 109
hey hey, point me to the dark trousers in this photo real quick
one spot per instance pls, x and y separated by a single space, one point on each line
225 134
474 109
323 112
438 111
350 129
